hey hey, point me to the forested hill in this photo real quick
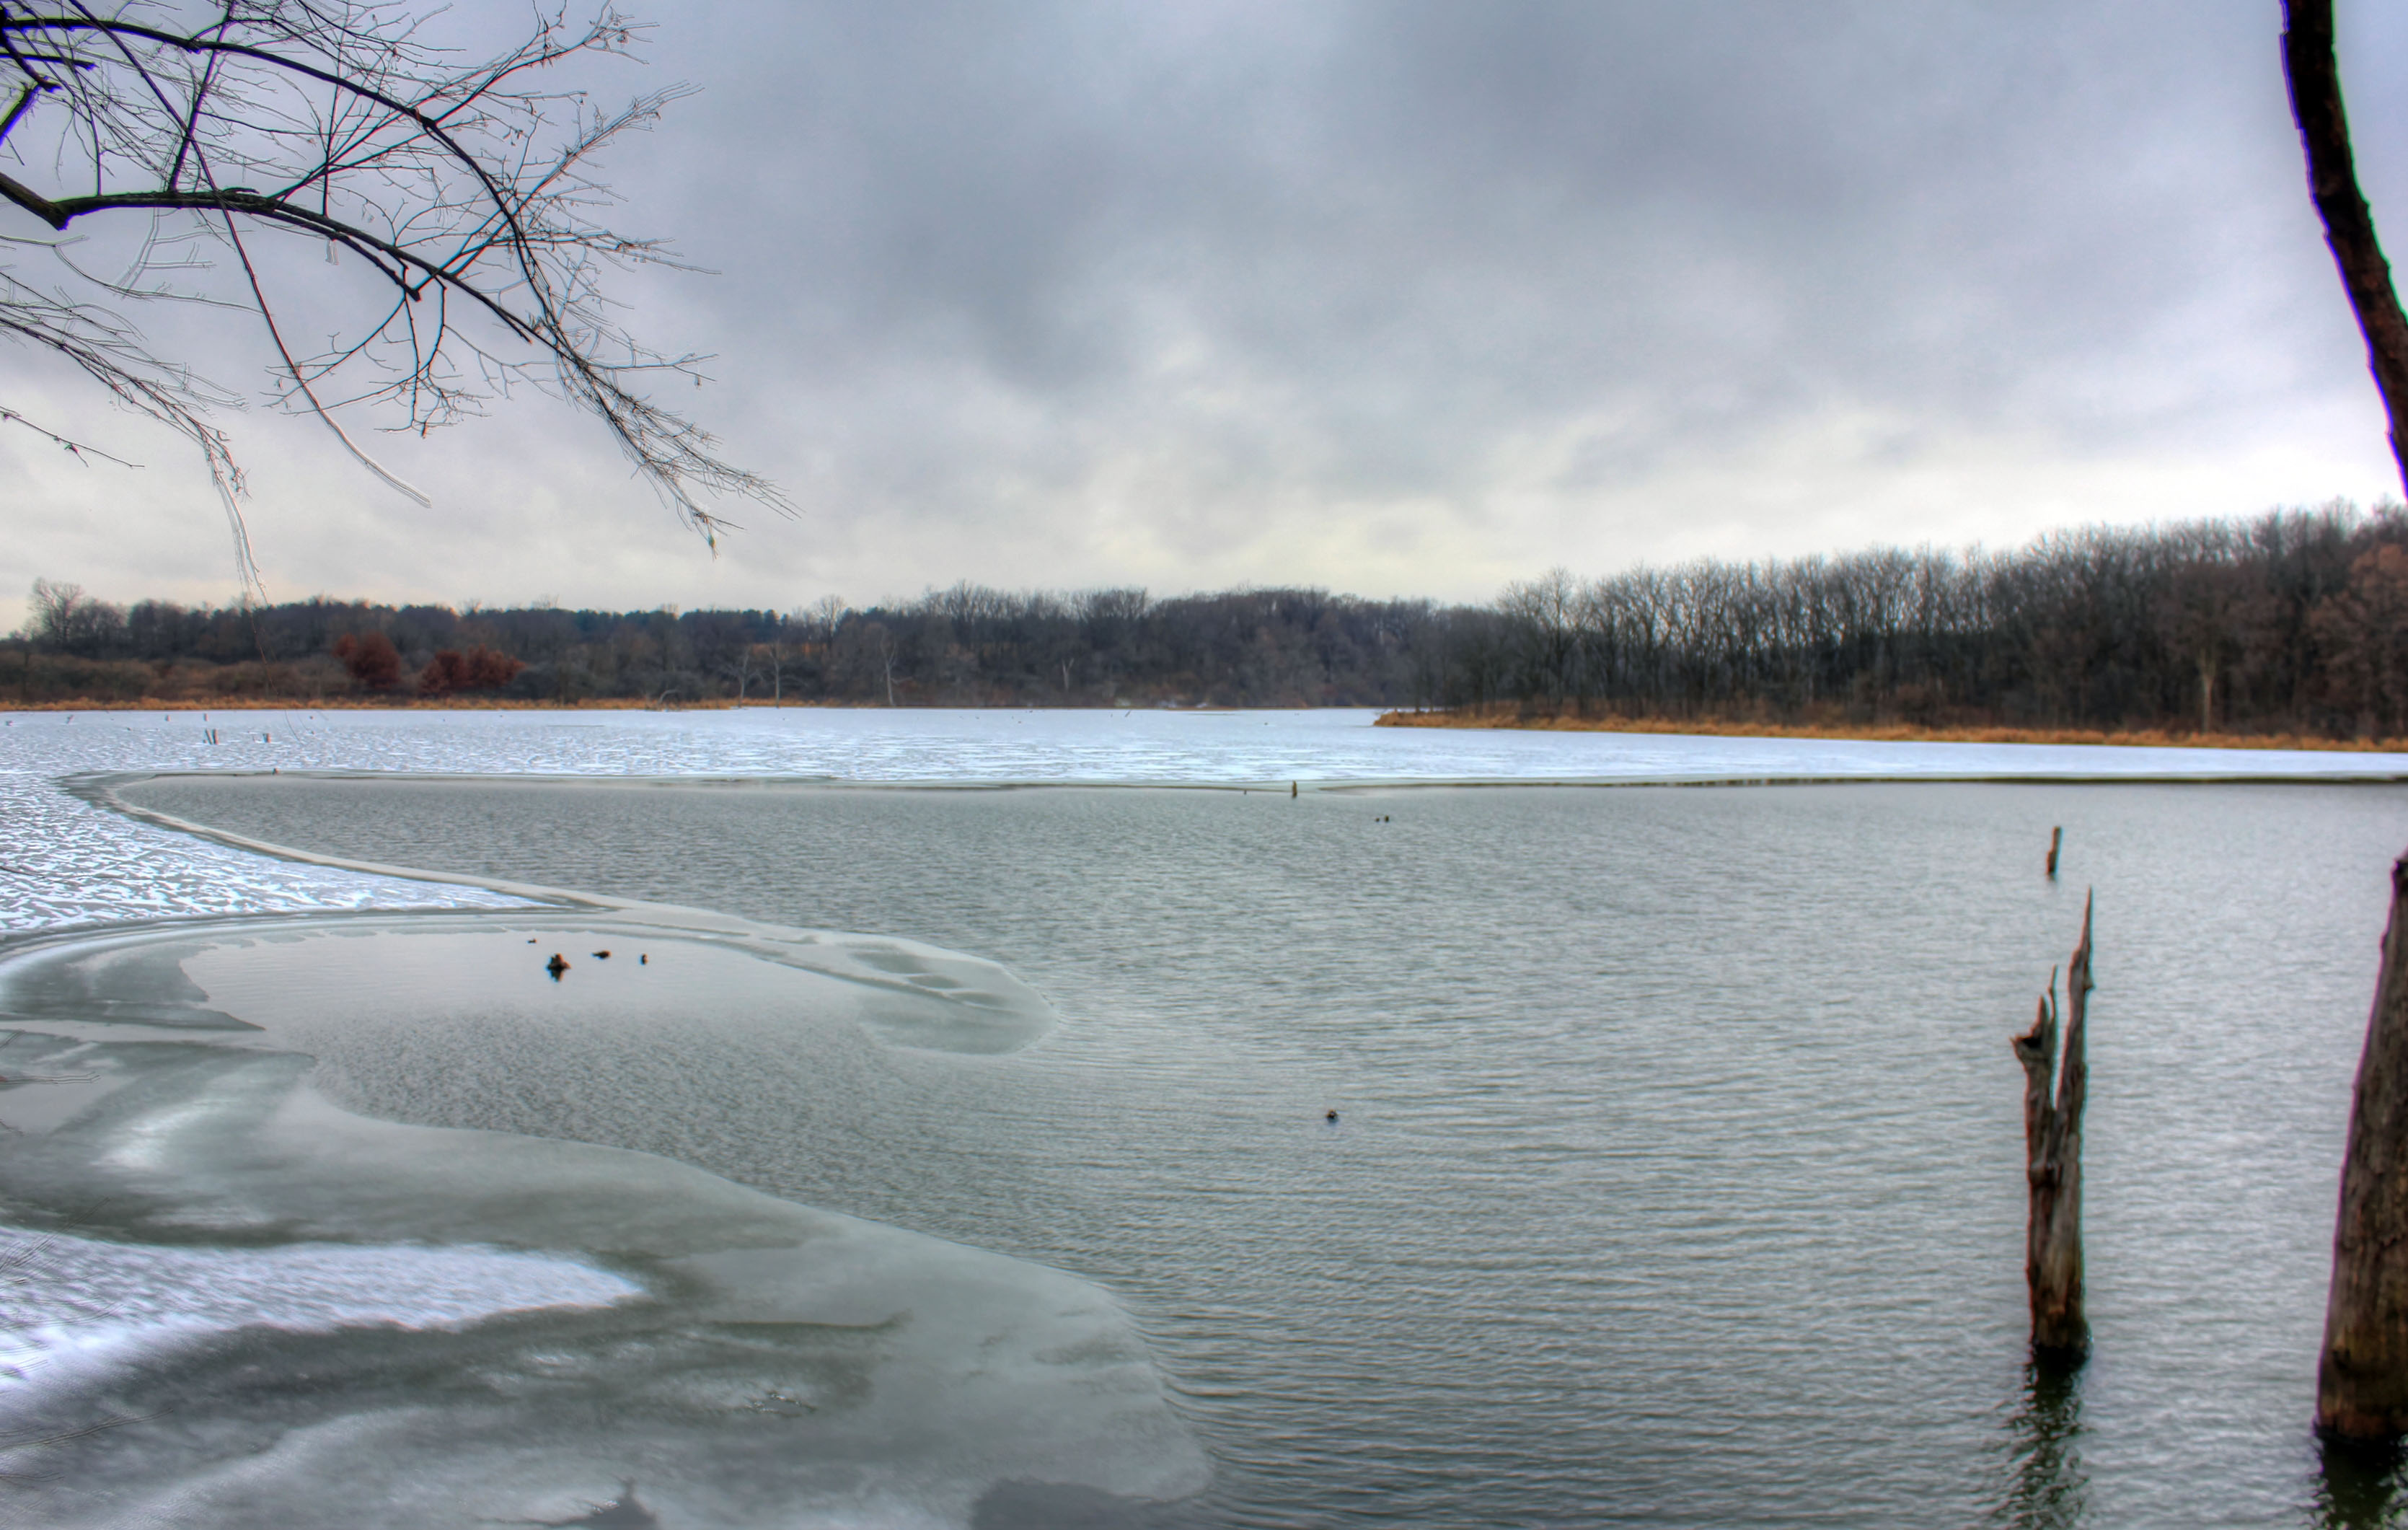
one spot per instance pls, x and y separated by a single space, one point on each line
2295 621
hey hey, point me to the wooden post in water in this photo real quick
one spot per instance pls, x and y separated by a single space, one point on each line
2054 1088
2055 838
2362 1377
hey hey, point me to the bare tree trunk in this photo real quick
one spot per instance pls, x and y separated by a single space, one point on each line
2314 75
2055 1090
2362 1378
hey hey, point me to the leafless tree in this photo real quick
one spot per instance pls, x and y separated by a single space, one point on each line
67 619
2314 72
467 190
775 651
740 667
1547 611
2363 631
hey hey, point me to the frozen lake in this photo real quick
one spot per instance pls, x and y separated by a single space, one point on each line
72 864
1677 1177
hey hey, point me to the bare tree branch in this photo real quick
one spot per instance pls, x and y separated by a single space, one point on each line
336 121
2314 72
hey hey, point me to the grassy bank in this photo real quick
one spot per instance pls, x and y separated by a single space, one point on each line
1508 715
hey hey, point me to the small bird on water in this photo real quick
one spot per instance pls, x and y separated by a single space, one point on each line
1332 1117
557 965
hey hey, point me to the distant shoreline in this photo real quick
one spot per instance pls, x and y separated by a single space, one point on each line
414 703
1498 716
1891 732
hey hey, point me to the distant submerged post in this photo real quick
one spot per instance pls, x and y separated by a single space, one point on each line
2055 838
2054 1088
2362 1377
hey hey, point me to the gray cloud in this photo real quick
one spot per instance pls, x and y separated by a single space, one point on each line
1414 297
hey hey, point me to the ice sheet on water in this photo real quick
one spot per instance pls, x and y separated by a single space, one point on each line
319 984
68 863
558 1315
1155 748
68 1305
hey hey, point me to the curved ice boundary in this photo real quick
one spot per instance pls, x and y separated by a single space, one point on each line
257 1307
67 861
70 864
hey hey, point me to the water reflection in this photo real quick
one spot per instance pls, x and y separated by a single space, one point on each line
2048 1487
2357 1485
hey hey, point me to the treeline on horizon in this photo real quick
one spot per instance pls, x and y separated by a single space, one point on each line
2295 621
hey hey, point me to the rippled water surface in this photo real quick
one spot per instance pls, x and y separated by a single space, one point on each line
1677 1177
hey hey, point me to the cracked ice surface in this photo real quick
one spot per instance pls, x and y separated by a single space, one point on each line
65 862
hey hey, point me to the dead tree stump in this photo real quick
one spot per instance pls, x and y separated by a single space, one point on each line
2055 1087
2362 1377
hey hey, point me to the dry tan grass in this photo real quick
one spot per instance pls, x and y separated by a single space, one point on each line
1508 716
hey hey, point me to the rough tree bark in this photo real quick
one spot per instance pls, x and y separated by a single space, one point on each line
2362 1378
2054 1088
2310 66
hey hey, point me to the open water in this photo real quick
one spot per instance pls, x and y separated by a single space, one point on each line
1676 1177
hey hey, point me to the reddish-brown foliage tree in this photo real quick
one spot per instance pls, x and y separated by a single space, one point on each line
371 659
446 673
480 668
490 669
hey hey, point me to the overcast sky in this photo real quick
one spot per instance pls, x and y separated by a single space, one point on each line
1392 299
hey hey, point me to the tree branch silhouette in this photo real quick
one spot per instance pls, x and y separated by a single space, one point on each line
468 187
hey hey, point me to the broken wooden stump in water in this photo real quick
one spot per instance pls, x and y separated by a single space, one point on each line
2055 838
2362 1377
2055 1084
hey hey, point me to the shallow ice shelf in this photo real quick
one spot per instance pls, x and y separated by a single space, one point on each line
305 1314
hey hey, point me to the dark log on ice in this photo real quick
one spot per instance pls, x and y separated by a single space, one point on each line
2363 1378
2055 838
2056 1085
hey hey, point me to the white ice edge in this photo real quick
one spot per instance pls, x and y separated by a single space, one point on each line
68 863
76 1304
